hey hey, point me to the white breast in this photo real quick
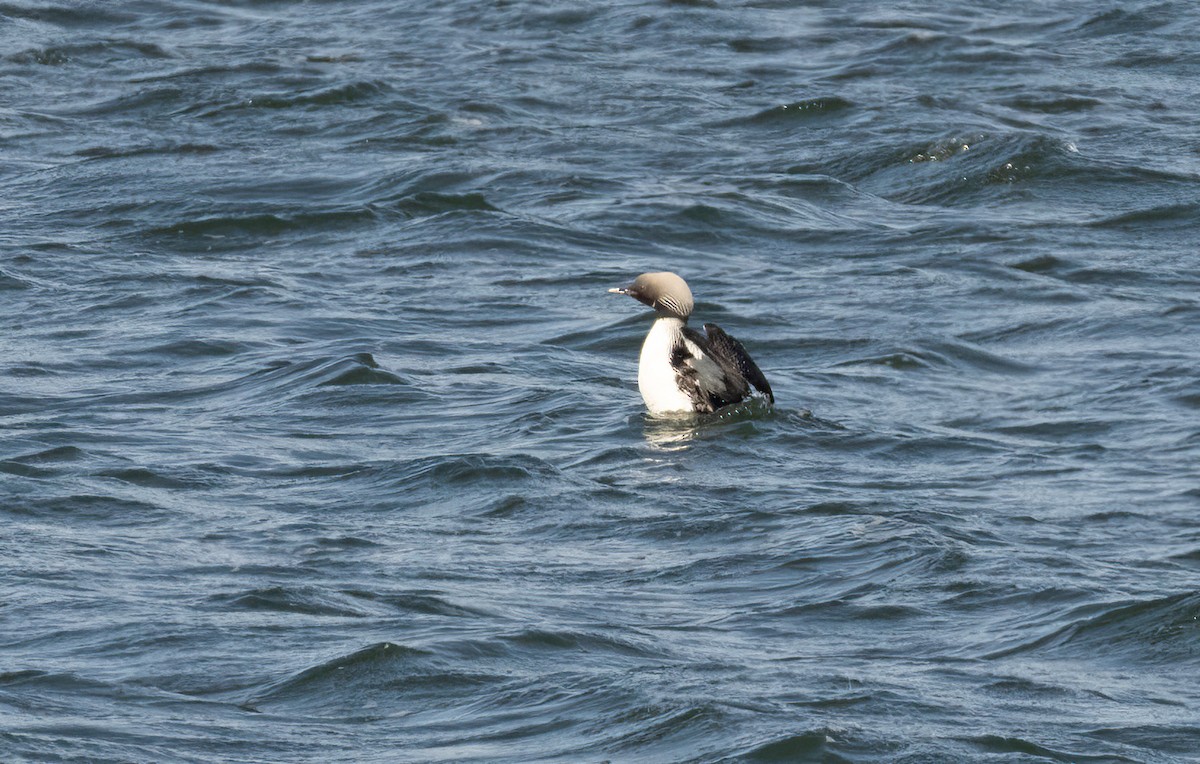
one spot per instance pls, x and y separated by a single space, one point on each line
656 377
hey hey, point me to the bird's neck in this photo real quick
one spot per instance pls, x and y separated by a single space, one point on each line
664 334
668 325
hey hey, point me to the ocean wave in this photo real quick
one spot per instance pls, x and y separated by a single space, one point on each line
802 746
165 478
343 94
963 169
795 112
163 149
945 354
1125 21
298 600
420 603
257 226
104 509
377 681
427 203
89 52
1170 215
67 15
465 469
345 378
1011 744
284 379
1160 630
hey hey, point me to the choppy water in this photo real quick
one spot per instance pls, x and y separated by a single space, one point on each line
321 440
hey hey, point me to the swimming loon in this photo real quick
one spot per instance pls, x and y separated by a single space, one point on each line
680 369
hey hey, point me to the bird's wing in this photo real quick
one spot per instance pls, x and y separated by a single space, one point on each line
710 380
732 353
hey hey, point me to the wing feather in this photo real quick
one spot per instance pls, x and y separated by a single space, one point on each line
711 380
734 354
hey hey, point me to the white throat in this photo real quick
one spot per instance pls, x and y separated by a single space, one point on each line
656 377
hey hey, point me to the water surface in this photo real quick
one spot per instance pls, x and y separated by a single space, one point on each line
321 437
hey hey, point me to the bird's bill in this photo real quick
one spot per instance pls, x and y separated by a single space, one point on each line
619 290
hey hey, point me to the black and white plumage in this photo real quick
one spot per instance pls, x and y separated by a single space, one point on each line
682 370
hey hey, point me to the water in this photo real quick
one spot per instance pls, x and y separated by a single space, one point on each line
321 438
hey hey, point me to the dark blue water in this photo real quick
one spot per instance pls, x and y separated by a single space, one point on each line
321 436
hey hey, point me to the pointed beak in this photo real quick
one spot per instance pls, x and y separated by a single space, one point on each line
619 290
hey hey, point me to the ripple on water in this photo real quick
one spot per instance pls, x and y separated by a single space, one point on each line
112 510
380 680
286 379
304 600
322 439
790 114
1154 630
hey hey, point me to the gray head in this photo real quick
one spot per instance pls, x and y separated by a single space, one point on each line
665 292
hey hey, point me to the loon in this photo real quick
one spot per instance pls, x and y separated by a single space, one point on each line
681 370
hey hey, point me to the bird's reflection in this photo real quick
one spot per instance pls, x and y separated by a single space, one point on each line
671 434
679 433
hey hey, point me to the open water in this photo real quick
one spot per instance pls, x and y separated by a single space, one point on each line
321 436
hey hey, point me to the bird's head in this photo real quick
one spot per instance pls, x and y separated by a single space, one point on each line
666 292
